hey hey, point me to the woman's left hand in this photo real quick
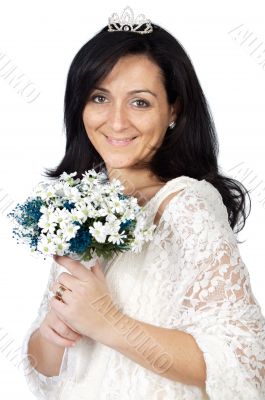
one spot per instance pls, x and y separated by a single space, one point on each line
86 292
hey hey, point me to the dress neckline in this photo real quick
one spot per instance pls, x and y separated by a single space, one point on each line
160 191
147 207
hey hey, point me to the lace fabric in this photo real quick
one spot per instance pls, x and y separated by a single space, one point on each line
192 278
42 386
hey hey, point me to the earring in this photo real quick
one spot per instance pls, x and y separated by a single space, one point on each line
172 125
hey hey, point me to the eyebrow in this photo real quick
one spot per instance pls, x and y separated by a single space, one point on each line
131 92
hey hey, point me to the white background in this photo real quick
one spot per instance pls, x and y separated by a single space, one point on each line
41 39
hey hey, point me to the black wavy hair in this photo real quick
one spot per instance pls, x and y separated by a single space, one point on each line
190 149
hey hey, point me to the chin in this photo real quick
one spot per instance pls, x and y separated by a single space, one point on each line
118 164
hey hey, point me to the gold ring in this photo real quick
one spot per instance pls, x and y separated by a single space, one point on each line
59 292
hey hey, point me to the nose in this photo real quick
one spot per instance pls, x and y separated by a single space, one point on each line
117 119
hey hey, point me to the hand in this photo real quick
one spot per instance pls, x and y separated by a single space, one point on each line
56 331
84 288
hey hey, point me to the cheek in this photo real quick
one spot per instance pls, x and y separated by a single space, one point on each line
150 122
153 131
92 120
90 123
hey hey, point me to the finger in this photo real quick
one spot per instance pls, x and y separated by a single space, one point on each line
57 287
75 267
67 280
97 270
57 317
58 306
54 337
64 331
47 332
53 317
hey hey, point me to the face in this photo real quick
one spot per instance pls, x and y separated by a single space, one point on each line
127 112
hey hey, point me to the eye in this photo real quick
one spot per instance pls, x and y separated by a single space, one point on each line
143 103
98 96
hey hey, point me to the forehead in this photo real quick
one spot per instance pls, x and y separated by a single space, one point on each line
135 68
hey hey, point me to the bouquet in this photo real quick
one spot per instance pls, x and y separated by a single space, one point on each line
81 218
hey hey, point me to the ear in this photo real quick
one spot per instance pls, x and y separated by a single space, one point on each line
175 109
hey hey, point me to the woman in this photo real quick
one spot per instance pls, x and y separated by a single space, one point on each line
179 320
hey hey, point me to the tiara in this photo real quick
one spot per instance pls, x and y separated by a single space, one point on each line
126 22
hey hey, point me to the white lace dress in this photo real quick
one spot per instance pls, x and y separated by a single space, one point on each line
192 278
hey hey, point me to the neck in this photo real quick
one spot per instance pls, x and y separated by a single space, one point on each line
133 180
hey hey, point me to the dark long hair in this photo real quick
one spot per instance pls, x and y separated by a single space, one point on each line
190 149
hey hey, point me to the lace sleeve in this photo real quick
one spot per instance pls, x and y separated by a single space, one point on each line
218 307
41 386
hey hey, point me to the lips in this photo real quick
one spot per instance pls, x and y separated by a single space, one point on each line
120 142
120 139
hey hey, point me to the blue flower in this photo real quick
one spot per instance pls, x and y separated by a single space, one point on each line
81 241
122 196
28 213
31 239
125 224
34 242
68 205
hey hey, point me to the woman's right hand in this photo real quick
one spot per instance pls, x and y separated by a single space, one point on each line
56 331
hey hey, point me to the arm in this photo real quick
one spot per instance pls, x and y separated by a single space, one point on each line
46 355
38 377
213 303
169 352
218 307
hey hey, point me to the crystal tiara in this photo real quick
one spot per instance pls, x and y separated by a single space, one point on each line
126 22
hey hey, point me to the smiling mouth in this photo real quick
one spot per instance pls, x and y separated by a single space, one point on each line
120 142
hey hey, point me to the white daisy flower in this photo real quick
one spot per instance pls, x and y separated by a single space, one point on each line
103 211
111 218
116 237
117 185
64 176
68 178
112 226
116 205
90 177
98 231
61 245
68 230
40 190
46 225
46 245
84 210
61 215
72 193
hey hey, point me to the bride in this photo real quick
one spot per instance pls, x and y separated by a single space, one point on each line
179 320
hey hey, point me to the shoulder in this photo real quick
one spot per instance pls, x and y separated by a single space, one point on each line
199 201
164 204
197 219
194 191
204 197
